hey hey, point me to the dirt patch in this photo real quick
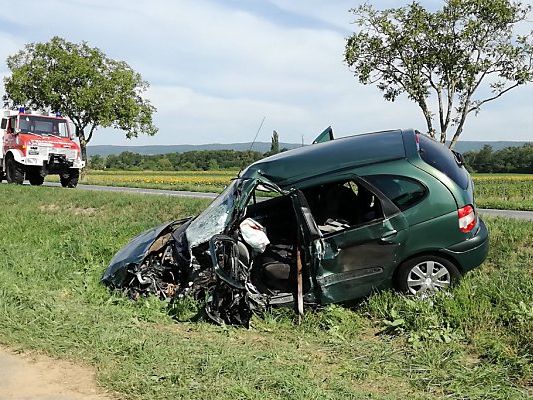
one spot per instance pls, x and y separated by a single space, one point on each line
36 377
55 208
51 208
82 210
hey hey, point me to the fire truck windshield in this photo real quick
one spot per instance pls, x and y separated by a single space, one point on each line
43 125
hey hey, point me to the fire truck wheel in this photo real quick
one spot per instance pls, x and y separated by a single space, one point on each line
70 180
36 179
14 171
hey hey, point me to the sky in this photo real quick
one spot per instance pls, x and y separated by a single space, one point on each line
216 68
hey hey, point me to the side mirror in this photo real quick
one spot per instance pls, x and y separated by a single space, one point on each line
3 124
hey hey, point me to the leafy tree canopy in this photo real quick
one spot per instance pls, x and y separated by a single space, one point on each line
452 60
190 160
507 160
82 83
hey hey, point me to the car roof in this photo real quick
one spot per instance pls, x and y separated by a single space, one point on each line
301 163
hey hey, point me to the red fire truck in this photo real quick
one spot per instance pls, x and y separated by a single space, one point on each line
35 145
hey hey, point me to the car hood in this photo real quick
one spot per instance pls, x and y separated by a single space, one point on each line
190 232
137 249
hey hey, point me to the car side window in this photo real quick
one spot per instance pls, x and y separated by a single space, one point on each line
341 205
404 192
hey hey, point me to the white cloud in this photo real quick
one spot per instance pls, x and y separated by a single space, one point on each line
196 118
217 70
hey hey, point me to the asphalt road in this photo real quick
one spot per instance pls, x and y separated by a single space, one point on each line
525 215
140 190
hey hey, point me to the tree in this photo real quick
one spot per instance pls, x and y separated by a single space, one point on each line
454 60
97 162
508 160
164 164
274 146
484 159
83 84
213 165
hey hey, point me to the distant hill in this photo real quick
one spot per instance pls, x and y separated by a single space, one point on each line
463 147
104 150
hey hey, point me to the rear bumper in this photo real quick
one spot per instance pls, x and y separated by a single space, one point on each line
472 252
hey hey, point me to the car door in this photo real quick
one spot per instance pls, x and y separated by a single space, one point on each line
325 136
352 262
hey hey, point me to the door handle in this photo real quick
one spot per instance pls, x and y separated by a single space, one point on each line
387 237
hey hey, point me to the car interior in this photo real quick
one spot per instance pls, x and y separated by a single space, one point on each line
335 207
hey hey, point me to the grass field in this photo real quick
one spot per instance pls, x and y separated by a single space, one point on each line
475 343
502 191
196 181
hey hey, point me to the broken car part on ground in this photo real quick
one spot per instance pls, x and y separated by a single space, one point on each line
325 223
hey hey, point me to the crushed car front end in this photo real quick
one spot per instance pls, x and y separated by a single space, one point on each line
192 257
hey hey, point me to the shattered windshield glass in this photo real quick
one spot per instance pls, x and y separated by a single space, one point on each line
214 218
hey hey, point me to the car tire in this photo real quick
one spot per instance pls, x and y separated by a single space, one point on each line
36 179
14 171
70 179
426 275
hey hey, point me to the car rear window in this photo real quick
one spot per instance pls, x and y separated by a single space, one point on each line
402 191
442 158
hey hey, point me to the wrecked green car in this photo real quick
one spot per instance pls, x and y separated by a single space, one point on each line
325 223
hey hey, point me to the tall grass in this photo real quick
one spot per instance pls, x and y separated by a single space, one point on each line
504 191
55 244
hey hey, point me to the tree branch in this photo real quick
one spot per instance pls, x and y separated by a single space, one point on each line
93 128
479 104
451 91
464 113
438 89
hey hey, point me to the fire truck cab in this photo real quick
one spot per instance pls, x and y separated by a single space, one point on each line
35 145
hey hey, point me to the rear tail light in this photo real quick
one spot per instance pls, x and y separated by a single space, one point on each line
467 218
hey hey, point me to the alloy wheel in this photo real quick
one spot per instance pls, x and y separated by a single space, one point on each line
428 277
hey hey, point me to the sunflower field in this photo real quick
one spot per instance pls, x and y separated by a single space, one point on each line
502 191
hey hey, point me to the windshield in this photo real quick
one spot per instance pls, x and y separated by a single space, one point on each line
43 126
214 218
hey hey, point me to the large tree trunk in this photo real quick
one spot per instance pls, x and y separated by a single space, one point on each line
83 147
454 140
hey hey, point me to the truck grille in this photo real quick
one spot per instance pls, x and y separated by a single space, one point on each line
70 154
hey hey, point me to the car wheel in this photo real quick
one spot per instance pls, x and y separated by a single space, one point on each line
70 179
36 179
14 171
426 275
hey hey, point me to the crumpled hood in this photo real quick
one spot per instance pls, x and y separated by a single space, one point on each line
137 249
